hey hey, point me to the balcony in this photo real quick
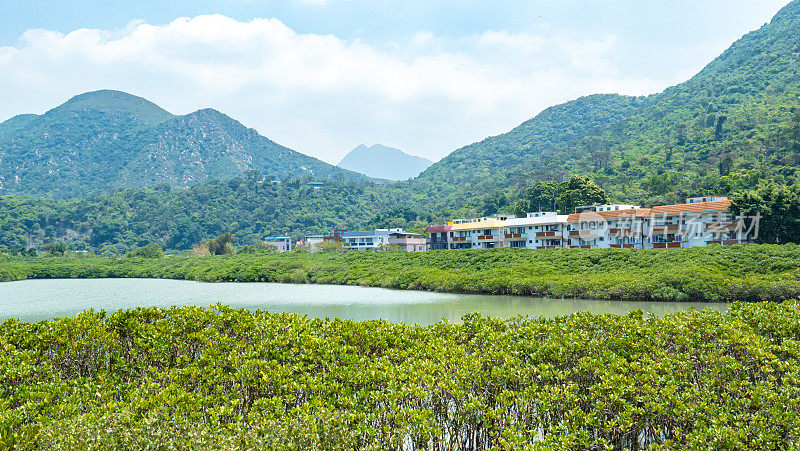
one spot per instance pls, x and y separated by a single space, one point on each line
670 245
586 246
511 236
586 234
487 237
728 226
666 229
623 246
623 231
459 239
724 242
545 234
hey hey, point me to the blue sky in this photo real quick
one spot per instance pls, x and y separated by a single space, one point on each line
324 76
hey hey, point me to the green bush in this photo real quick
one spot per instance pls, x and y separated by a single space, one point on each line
190 377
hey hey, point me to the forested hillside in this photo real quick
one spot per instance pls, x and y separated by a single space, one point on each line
179 218
109 139
739 115
732 127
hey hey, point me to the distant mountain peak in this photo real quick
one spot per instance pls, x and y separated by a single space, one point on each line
384 162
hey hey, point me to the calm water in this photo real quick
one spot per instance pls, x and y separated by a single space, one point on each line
35 300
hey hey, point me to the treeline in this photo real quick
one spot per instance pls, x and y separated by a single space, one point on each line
713 273
187 378
178 219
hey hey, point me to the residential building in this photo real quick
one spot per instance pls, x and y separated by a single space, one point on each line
282 243
311 241
478 233
538 230
367 239
601 208
408 242
695 223
439 237
618 228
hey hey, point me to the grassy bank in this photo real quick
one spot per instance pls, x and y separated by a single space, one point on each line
715 273
189 378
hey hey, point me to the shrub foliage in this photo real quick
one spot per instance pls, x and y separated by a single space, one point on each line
223 378
714 273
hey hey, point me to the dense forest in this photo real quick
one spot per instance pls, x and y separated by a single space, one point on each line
177 219
196 378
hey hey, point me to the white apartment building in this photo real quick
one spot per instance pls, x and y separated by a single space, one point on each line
539 230
697 222
367 239
479 233
619 228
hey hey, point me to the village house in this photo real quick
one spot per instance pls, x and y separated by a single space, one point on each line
281 243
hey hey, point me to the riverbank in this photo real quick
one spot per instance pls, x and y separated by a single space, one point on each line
703 274
186 378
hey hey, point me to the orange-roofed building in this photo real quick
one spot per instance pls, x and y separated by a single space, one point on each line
619 228
698 222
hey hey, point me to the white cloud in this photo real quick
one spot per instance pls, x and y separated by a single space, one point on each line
320 94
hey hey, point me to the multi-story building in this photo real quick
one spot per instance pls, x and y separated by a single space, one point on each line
362 240
695 223
539 230
439 237
478 233
602 208
623 227
282 243
408 242
311 241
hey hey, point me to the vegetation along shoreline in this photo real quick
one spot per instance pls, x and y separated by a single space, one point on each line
748 273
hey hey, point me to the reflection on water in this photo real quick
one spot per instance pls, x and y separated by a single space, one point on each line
34 300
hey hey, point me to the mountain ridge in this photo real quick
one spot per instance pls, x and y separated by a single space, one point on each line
107 139
735 116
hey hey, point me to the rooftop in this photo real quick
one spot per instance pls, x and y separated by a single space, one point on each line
611 214
691 207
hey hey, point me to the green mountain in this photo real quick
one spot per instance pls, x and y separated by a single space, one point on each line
109 139
738 119
384 162
731 126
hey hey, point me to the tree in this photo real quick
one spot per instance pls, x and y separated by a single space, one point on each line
152 250
58 248
493 203
779 210
222 244
541 196
725 165
577 191
329 246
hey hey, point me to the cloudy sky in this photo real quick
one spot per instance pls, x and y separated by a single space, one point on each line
322 76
